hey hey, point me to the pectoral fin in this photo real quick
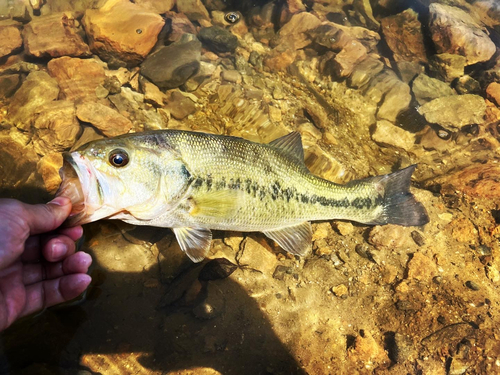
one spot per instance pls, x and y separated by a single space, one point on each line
215 204
195 242
295 239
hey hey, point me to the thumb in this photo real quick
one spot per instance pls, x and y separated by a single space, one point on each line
43 218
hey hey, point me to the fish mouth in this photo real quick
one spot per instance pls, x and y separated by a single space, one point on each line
77 180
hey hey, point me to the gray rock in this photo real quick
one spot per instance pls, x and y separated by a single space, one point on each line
218 39
426 89
408 70
447 67
453 112
364 72
38 89
467 85
204 73
171 66
179 106
455 31
380 85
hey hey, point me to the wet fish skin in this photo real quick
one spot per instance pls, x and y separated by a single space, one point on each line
197 182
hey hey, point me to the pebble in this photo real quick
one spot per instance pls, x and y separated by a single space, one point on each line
280 272
472 285
493 92
420 267
231 76
389 237
388 134
180 106
345 228
418 238
217 39
340 291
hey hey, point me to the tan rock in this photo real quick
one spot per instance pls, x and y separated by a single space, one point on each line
294 32
345 228
156 6
323 164
346 60
395 101
388 134
193 9
403 34
48 167
389 237
368 351
107 120
77 78
54 35
57 127
10 39
340 291
152 94
257 255
124 34
493 92
421 267
280 58
463 230
38 89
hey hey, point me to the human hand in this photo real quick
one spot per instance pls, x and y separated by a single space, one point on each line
38 264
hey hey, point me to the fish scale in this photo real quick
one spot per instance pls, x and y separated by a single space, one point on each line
197 182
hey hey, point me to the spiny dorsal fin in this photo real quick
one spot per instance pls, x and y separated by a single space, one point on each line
195 242
291 145
295 239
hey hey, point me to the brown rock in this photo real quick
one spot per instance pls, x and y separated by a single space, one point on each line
463 230
122 34
107 120
294 33
156 6
78 78
368 351
421 267
57 127
178 24
8 85
89 134
346 60
152 94
395 101
54 36
340 291
455 31
493 92
280 58
38 89
48 167
193 9
447 67
403 34
10 39
257 255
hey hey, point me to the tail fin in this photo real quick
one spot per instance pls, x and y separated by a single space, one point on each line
400 206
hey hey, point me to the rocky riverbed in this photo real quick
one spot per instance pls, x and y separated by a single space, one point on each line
372 86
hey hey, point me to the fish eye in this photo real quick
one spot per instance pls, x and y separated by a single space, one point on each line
118 158
232 17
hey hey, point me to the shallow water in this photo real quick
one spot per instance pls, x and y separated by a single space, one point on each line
371 87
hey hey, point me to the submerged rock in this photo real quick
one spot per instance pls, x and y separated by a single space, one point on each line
456 32
218 39
403 34
493 92
364 72
78 78
38 89
171 66
54 35
447 66
388 134
122 34
193 9
295 31
426 89
395 101
107 120
9 84
57 127
453 112
10 39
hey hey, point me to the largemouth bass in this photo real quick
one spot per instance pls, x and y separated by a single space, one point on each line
196 182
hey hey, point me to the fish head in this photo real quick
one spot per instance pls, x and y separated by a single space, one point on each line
118 178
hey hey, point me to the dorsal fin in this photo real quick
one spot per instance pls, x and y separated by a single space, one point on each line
291 145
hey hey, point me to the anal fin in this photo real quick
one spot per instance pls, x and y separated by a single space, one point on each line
295 239
195 242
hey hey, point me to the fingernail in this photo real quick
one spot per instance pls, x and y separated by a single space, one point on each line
59 201
59 250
